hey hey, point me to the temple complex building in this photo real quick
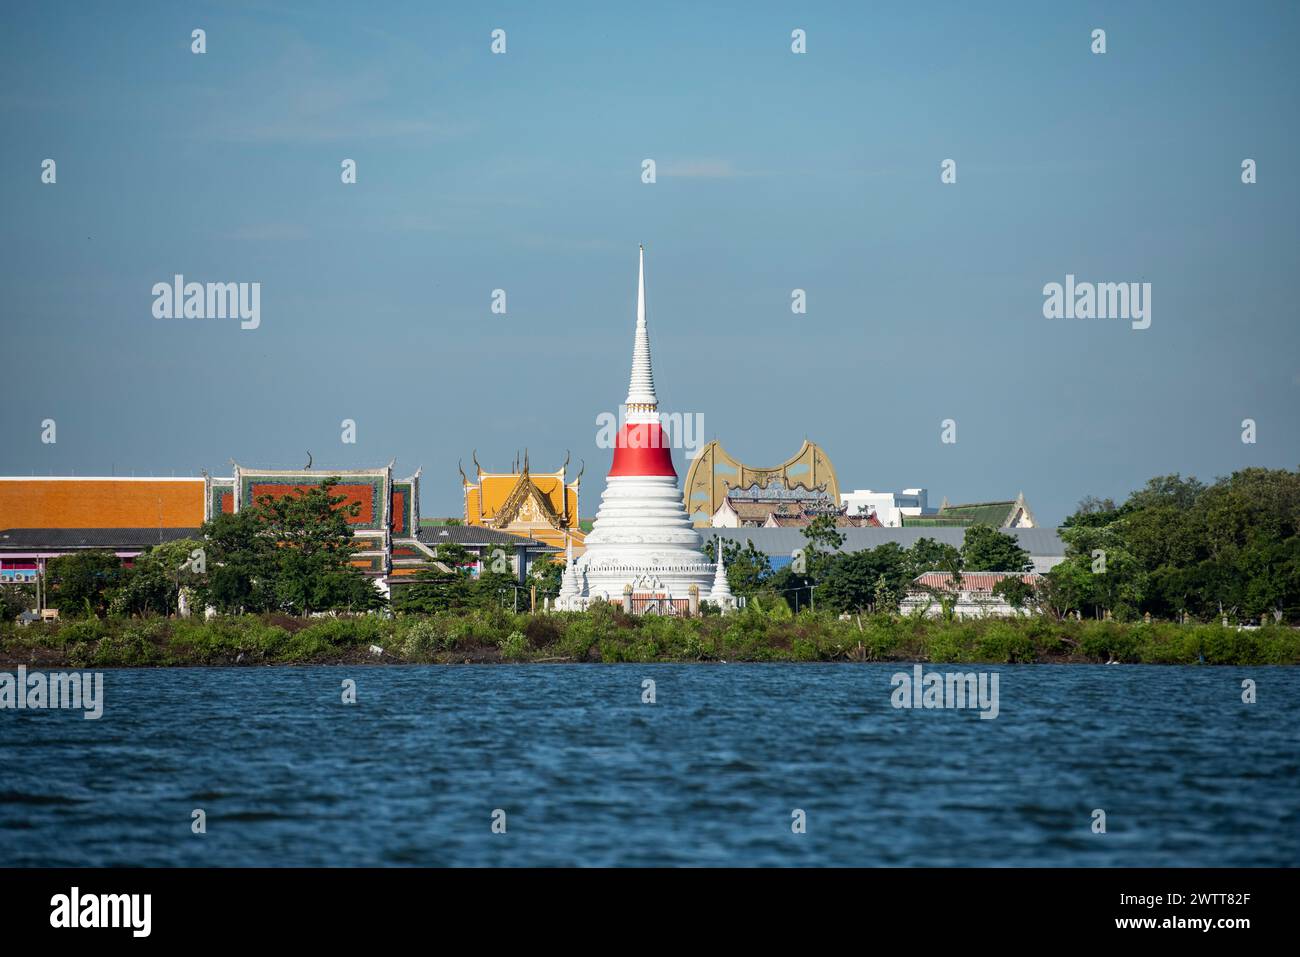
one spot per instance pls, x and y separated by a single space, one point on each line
42 518
777 506
971 596
387 515
542 506
724 493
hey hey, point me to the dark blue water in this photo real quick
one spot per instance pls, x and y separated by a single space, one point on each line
710 774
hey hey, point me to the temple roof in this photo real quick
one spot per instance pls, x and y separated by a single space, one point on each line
27 539
525 490
971 581
714 475
997 514
74 502
752 511
476 535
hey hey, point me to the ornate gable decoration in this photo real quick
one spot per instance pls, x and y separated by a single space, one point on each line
777 491
527 504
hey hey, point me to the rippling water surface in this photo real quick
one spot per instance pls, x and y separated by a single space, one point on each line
708 775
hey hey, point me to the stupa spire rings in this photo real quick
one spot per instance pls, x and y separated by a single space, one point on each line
641 389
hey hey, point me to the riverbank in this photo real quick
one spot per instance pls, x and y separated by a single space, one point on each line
606 635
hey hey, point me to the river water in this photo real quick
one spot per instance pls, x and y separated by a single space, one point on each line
582 771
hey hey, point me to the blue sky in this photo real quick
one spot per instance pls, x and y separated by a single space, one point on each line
776 171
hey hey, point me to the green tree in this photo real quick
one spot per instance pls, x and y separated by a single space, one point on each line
434 591
822 535
1015 591
793 587
1177 544
497 589
241 564
928 555
292 553
1106 575
151 586
80 583
1091 506
874 579
985 549
1064 590
748 569
823 541
454 555
546 575
16 599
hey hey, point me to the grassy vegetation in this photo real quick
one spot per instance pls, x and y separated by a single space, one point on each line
607 635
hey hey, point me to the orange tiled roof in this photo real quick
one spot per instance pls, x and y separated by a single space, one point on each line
101 502
972 581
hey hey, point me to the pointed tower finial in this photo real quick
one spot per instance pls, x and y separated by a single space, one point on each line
721 594
641 390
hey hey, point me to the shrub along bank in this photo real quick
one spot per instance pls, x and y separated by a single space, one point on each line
605 634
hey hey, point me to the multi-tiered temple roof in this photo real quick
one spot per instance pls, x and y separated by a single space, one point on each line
537 505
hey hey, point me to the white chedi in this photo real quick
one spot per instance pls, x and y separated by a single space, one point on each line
721 594
570 584
642 538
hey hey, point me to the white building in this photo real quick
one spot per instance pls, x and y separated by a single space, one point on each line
973 597
890 507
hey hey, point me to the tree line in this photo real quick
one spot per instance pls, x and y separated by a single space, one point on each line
870 580
1175 549
1181 548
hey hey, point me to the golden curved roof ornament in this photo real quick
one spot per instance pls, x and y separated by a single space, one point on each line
714 472
474 455
460 464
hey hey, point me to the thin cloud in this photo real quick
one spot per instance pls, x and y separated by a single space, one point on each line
304 98
269 232
702 169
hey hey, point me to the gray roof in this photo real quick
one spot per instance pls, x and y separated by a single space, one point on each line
475 535
54 539
1043 542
